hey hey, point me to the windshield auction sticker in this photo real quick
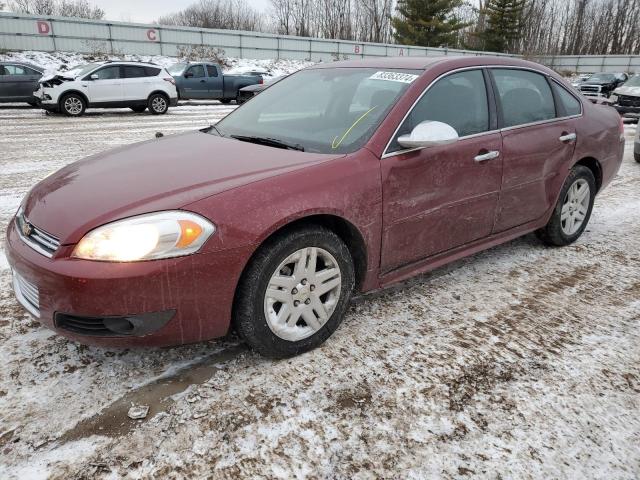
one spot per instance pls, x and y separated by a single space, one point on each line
394 77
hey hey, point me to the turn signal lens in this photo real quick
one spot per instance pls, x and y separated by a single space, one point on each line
189 233
146 237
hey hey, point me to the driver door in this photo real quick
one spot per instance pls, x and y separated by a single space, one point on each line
105 85
195 82
439 198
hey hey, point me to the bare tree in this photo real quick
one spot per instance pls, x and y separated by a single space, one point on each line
63 8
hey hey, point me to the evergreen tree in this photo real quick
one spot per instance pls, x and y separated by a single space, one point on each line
504 20
428 23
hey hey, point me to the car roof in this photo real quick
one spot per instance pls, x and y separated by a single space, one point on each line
426 62
24 64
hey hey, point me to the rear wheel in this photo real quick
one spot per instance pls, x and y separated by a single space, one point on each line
73 105
226 101
573 210
158 104
139 109
295 292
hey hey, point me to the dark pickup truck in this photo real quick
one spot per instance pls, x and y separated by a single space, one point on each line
602 84
205 81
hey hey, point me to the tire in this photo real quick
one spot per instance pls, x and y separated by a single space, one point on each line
577 207
256 310
138 109
225 101
158 104
637 156
240 99
73 105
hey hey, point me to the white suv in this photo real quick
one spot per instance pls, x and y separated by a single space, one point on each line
107 85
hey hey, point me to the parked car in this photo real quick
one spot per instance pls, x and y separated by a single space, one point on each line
246 93
626 99
602 84
343 177
581 79
134 85
18 80
205 81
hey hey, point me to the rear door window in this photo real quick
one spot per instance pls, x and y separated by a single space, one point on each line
212 71
131 71
524 97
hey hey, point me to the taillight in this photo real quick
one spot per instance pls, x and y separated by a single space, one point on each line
261 81
171 80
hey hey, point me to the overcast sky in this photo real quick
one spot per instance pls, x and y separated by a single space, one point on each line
144 11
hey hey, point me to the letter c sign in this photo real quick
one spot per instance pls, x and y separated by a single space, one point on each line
43 27
152 34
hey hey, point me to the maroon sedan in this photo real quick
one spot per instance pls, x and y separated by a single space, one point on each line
343 177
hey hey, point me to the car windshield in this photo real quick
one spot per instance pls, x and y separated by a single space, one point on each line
633 81
177 69
327 110
602 78
80 70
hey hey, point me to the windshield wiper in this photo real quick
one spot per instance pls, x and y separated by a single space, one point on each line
271 142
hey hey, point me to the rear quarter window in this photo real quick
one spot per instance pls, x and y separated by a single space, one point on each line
569 103
151 71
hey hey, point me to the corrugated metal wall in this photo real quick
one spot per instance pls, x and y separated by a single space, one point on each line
593 63
28 32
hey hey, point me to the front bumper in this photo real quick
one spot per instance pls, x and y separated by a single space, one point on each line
169 302
625 110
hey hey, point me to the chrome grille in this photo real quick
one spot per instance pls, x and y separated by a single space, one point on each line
27 294
590 88
41 241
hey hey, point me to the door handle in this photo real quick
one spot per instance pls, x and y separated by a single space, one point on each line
569 137
487 156
202 81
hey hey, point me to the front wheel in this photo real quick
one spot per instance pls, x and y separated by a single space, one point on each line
158 104
637 155
295 292
225 101
73 105
573 210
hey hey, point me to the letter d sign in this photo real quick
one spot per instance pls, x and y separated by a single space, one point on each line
43 27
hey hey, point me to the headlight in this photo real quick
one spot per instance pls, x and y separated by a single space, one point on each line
613 98
146 237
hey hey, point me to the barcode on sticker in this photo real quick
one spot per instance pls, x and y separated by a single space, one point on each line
394 77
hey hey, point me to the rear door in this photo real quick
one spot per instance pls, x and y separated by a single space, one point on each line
107 88
537 139
136 82
195 82
215 82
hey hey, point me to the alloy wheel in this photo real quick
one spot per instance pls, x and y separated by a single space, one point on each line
575 207
73 106
302 293
159 104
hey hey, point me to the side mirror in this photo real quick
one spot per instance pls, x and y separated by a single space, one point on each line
429 134
95 76
188 75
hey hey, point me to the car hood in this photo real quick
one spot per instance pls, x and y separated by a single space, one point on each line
160 174
631 91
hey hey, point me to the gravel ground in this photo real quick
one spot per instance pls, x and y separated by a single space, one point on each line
519 362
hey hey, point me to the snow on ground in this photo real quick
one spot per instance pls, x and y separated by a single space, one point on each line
519 362
61 61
